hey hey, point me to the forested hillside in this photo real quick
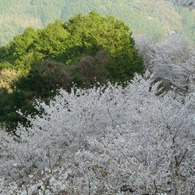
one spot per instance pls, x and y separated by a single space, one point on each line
157 18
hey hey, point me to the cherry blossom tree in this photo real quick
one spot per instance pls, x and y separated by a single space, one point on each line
172 60
185 3
107 139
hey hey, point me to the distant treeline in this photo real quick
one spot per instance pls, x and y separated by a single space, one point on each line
153 17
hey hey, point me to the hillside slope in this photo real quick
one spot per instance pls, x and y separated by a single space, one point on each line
154 17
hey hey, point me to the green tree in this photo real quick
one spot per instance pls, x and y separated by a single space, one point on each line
93 33
52 40
84 50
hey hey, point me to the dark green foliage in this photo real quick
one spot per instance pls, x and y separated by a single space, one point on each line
82 51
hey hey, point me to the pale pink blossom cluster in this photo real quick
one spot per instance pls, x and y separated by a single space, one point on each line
104 140
185 3
171 61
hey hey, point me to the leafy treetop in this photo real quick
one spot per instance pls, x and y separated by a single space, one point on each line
83 50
